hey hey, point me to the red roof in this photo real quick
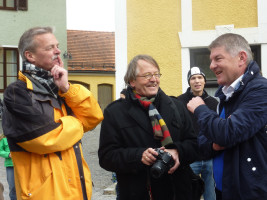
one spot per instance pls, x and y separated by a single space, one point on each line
91 50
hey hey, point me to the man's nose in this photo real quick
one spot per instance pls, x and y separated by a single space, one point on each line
57 50
212 65
153 78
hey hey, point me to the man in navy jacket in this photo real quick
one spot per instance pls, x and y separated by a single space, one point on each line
238 133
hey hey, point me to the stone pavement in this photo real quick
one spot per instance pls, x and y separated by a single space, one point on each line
3 178
101 178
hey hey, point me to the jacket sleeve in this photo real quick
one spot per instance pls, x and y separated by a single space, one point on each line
114 155
187 143
37 131
247 119
3 152
84 106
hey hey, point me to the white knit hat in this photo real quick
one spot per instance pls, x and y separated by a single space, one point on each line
193 71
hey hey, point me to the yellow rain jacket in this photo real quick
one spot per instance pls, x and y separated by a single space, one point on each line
44 135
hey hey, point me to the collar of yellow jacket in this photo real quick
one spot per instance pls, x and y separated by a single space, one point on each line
28 82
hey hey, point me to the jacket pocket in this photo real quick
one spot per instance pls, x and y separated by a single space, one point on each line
35 175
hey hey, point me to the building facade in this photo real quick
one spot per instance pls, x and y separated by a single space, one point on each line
177 32
91 62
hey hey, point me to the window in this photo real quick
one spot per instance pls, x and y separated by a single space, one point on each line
9 66
201 58
104 95
14 4
22 4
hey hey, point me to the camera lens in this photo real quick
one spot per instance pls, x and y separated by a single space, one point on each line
163 163
158 169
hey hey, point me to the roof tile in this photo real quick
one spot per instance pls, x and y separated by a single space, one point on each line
91 50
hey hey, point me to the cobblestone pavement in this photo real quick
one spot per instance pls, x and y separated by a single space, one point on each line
3 178
101 178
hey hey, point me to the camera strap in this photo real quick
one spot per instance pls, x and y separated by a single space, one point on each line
148 185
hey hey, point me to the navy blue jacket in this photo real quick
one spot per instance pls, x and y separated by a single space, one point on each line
244 134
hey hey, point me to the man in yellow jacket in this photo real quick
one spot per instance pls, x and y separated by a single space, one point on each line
44 120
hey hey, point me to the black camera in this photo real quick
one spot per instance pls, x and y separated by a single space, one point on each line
163 163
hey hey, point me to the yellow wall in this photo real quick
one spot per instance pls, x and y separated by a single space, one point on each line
209 13
152 28
94 80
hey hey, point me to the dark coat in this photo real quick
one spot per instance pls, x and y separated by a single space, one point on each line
210 101
243 133
126 133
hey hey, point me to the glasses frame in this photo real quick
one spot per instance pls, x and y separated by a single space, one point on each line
148 76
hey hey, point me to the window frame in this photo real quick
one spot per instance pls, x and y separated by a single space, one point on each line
5 49
4 7
18 5
211 83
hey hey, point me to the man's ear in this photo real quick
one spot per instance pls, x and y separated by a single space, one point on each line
30 56
132 83
243 57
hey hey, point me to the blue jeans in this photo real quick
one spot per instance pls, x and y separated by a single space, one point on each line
205 169
11 182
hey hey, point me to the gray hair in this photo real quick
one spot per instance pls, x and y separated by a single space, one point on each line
27 42
132 69
233 44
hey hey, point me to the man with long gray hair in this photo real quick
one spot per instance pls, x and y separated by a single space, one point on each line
136 127
44 120
237 134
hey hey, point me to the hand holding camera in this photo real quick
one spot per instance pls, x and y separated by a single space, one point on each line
162 160
163 163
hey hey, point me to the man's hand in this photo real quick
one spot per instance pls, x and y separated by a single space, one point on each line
194 103
149 156
60 76
175 157
217 147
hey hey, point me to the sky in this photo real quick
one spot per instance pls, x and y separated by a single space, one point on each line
91 15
